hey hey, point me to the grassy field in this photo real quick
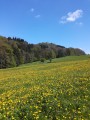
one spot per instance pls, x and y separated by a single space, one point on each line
46 91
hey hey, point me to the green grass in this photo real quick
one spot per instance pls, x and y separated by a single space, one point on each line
62 59
46 91
72 58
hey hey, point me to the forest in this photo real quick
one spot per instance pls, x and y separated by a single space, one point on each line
16 51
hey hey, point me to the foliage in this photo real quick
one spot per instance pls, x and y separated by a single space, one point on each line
56 91
15 51
43 60
50 60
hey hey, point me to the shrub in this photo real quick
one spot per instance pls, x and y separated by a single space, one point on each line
43 60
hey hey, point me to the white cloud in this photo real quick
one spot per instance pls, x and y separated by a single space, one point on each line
32 9
37 16
79 23
71 16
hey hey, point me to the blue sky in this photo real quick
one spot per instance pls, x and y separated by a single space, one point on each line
63 22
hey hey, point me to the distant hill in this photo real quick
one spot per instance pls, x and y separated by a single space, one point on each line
15 51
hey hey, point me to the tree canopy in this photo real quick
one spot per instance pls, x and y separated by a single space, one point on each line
15 51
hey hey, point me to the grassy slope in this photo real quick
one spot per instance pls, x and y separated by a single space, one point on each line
59 90
62 59
71 58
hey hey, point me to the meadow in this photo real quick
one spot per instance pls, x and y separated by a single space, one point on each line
46 91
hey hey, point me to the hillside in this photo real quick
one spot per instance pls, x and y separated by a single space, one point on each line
41 91
16 51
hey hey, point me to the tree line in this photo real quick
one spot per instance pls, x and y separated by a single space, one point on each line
15 51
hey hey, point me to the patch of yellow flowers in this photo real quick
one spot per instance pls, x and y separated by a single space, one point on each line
55 91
